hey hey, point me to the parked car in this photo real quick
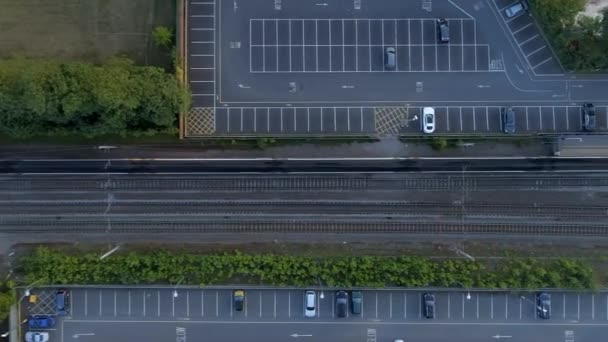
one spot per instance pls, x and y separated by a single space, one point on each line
508 120
390 58
516 9
36 336
588 117
62 302
356 300
429 305
543 305
239 299
428 120
310 299
341 303
443 31
40 322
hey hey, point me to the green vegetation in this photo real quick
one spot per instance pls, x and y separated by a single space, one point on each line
163 37
43 97
580 42
271 269
7 298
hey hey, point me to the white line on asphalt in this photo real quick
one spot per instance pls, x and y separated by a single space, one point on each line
477 303
260 304
528 40
405 305
100 302
436 43
475 41
409 41
487 120
578 307
317 43
275 305
343 43
462 294
276 36
361 110
450 55
567 119
203 305
303 48
396 42
228 119
173 306
462 44
592 307
295 125
333 300
321 114
217 305
535 51
506 306
335 124
86 308
390 304
115 303
540 117
607 307
422 37
520 308
564 307
580 121
241 119
474 119
460 108
369 40
522 28
376 304
447 115
289 22
144 300
158 303
268 120
289 293
263 45
231 307
245 304
553 111
448 305
187 303
330 46
491 306
129 305
541 63
348 118
527 122
281 113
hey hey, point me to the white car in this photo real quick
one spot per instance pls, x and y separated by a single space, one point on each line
310 300
32 336
428 120
516 9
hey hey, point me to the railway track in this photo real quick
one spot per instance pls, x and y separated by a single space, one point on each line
302 183
214 225
298 207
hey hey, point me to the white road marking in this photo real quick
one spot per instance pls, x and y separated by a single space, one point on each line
409 41
477 305
462 43
263 45
567 119
217 305
348 118
343 43
405 305
564 307
448 305
187 303
520 308
487 120
115 304
447 116
100 303
158 303
528 40
527 121
396 42
281 120
268 120
506 306
330 45
317 43
275 305
129 305
376 304
290 68
242 117
553 111
474 119
335 123
86 308
592 307
369 39
260 303
255 118
276 35
578 307
144 300
303 47
537 50
289 299
540 117
541 63
462 294
475 41
390 304
422 38
308 119
491 306
460 108
522 28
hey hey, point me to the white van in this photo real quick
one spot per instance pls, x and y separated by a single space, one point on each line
310 300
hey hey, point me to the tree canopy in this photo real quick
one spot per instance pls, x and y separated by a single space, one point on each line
45 97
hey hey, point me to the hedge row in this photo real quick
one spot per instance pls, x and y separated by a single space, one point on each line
45 97
163 267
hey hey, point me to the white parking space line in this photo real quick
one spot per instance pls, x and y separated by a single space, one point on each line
390 305
491 306
487 120
405 305
343 56
260 302
477 305
361 110
241 119
275 304
335 121
348 118
578 307
474 119
506 307
593 307
115 303
276 35
173 306
376 304
303 48
447 115
409 42
217 305
316 44
448 305
462 46
580 122
462 305
520 308
540 117
289 304
281 119
396 41
541 63
308 119
564 307
475 41
144 300
251 46
100 302
522 28
529 39
369 40
333 300
158 303
289 31
537 50
264 44
330 46
567 119
527 121
86 308
460 108
231 308
436 62
553 111
422 34
129 305
187 303
245 302
203 305
268 120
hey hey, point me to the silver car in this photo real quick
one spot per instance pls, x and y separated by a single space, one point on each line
310 300
36 336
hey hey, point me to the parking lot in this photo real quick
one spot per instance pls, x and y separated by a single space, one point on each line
402 120
303 69
91 308
530 41
358 45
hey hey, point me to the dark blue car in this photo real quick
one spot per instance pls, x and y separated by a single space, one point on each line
62 302
41 322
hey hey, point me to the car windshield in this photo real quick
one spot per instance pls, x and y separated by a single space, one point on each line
516 8
429 119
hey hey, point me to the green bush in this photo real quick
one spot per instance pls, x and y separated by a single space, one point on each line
42 97
7 299
163 37
281 270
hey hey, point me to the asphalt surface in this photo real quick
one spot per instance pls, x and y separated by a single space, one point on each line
303 68
277 315
560 204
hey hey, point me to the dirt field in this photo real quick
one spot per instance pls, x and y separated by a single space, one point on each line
88 30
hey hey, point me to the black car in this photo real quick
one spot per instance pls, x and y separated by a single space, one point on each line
428 301
543 305
588 117
508 120
341 303
239 299
356 300
443 31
